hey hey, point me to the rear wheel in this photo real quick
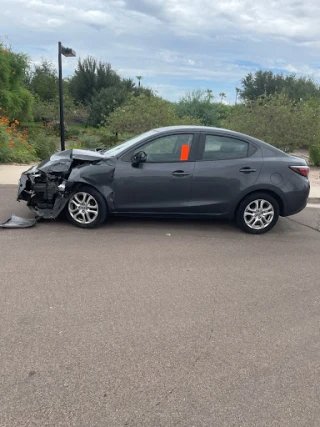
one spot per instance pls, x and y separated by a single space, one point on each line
86 208
258 213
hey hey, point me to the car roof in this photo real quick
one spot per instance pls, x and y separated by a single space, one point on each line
203 129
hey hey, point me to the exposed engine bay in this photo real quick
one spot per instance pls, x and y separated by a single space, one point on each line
42 191
47 187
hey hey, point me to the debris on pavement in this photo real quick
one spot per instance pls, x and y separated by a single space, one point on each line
18 222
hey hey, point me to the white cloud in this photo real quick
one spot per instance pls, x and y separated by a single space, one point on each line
173 43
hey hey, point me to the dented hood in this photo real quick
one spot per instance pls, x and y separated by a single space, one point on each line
61 161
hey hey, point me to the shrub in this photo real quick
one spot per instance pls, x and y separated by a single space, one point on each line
5 148
75 145
107 139
89 141
278 120
72 132
53 128
189 121
142 113
14 145
199 106
45 146
93 139
314 154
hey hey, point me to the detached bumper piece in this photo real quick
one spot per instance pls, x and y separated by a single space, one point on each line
17 222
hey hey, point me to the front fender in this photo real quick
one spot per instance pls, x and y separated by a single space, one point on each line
99 176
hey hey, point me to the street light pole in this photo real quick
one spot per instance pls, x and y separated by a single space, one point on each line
62 137
68 53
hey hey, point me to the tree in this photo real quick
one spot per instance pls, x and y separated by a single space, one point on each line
128 84
223 111
15 99
90 77
238 93
139 80
222 96
198 104
105 102
278 120
268 83
48 111
210 95
142 113
42 81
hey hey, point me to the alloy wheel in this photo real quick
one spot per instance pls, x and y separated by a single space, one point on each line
258 214
83 208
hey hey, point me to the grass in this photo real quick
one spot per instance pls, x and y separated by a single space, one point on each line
38 125
31 125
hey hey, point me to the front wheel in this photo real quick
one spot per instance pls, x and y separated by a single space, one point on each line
258 213
86 208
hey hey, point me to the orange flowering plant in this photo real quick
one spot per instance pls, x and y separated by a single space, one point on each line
15 146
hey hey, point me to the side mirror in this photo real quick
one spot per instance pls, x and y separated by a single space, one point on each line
140 157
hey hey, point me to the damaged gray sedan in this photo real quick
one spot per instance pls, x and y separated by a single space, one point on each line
174 171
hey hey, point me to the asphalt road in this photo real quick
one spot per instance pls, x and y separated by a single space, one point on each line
159 323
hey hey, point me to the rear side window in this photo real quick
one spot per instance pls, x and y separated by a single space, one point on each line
224 148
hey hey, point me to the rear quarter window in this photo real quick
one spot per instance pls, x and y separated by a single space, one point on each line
225 148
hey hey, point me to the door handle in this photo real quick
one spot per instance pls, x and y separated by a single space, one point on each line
247 170
180 173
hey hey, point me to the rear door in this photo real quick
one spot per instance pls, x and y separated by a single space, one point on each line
225 168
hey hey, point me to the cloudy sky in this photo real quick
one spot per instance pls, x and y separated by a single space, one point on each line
176 45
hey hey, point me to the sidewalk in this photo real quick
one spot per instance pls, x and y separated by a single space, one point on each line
314 196
10 174
314 177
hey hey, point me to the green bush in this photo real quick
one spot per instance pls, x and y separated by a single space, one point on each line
74 145
93 139
278 120
20 154
142 113
197 107
107 139
14 145
72 132
45 146
314 154
89 141
53 128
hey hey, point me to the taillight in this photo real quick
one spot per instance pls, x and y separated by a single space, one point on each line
301 170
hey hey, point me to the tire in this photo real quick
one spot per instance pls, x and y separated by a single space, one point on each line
257 213
86 208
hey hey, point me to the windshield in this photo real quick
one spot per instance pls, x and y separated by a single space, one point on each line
119 149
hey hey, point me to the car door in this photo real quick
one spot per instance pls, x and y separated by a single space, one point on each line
225 168
163 183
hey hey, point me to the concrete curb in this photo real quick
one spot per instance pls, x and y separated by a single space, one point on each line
314 200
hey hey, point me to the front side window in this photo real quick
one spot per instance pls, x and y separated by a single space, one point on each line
224 148
171 148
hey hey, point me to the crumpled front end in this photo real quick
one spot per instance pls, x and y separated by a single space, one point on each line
47 187
45 193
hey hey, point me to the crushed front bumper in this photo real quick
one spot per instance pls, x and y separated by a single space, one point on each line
24 184
26 193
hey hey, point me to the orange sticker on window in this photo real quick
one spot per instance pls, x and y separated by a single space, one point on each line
184 152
